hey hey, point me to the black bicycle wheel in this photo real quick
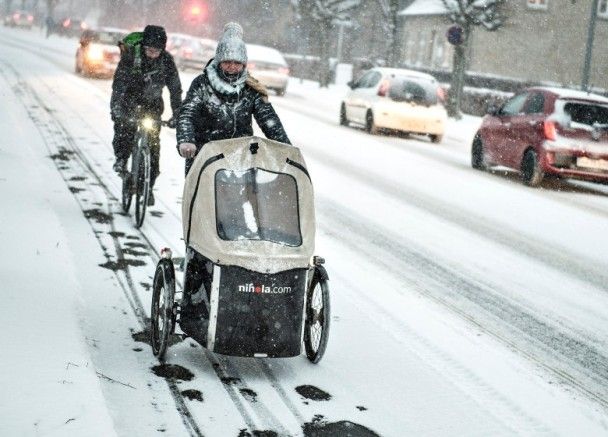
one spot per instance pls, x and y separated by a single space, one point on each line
162 314
316 323
142 188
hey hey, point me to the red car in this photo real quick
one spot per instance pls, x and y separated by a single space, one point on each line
546 131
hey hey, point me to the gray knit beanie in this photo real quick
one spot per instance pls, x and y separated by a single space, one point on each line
231 46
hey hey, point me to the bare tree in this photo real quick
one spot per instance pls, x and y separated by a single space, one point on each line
467 14
390 8
8 6
320 17
50 7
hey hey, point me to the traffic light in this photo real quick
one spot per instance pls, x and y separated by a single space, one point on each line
195 11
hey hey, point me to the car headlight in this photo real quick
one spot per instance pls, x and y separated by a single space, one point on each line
94 53
148 123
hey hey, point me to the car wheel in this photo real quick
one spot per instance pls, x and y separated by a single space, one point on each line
343 119
280 92
370 125
531 173
478 158
436 139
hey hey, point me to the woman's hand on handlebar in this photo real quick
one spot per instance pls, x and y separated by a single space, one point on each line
187 150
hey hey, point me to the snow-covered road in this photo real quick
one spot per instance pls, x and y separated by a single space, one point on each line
463 303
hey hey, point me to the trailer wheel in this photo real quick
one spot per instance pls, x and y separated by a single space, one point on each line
162 315
316 323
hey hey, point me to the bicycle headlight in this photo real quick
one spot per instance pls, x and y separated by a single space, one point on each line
147 123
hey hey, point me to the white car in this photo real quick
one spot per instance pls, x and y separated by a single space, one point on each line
189 51
98 53
269 67
396 99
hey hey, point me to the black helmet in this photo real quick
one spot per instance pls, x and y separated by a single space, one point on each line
155 36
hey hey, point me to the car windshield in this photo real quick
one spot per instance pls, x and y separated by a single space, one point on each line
257 205
586 113
415 90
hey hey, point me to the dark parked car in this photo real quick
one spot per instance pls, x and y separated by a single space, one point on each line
98 52
71 27
546 131
19 19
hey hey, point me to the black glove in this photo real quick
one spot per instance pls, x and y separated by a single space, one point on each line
172 123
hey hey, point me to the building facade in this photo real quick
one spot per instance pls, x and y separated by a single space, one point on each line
541 40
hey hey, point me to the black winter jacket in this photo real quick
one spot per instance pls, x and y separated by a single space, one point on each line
131 88
206 115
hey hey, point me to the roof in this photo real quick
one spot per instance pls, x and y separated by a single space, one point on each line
567 93
424 7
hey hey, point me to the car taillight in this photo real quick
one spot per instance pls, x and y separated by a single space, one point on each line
15 16
383 88
250 66
66 23
549 130
83 26
284 70
187 52
30 18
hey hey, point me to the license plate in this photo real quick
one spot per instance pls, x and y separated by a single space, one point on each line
599 164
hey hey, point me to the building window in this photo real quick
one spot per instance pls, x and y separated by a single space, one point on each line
602 9
538 4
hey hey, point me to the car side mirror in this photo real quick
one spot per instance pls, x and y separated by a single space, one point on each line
351 84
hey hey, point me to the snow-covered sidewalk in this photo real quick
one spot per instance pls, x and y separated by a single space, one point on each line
48 384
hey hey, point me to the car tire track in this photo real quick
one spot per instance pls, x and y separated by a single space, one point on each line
580 365
56 137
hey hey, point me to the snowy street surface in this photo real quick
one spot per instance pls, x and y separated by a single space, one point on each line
463 303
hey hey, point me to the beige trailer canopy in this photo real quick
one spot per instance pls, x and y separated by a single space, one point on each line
249 202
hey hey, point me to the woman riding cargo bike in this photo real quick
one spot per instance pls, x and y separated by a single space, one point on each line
251 285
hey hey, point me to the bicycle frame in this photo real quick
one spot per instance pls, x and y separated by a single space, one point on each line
137 181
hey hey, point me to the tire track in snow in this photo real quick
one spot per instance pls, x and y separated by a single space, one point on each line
55 136
551 254
580 365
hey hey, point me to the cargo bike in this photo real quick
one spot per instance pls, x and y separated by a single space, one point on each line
251 286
